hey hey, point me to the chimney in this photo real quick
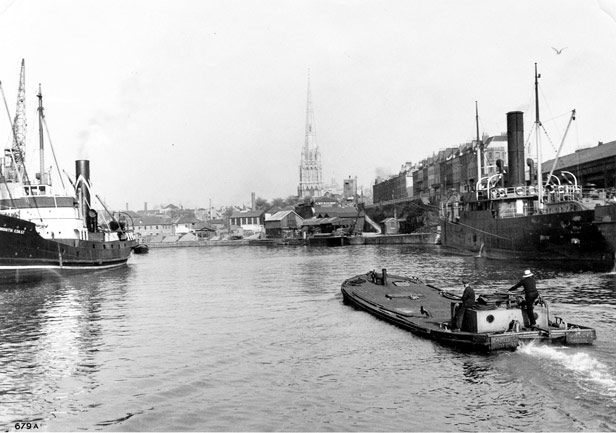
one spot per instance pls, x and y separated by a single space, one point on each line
515 148
253 201
82 186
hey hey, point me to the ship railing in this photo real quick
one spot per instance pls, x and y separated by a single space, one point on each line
560 193
552 193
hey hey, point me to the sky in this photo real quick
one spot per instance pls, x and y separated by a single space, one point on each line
199 102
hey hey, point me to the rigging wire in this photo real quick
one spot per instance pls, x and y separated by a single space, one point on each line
548 137
53 152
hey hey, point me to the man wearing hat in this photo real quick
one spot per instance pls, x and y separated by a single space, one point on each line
530 293
468 301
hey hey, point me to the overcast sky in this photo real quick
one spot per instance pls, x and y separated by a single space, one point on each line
185 101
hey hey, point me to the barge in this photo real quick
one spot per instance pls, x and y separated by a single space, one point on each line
497 322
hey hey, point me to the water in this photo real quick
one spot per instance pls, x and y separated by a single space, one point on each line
257 338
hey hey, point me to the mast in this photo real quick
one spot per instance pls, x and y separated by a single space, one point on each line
41 116
537 139
478 144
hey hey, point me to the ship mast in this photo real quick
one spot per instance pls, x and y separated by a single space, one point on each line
478 144
42 177
537 139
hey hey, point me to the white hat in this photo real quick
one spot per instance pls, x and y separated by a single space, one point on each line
527 273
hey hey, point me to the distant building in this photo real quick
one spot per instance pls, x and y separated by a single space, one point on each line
185 224
594 166
396 187
283 224
310 169
204 230
328 219
250 220
326 201
449 172
153 225
349 189
170 209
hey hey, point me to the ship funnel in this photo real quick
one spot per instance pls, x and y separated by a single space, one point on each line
515 147
82 187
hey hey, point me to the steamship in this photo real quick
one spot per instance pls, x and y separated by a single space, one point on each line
44 233
508 217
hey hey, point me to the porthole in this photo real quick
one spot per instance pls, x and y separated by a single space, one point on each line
490 318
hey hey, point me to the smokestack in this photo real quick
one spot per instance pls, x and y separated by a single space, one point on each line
515 147
82 176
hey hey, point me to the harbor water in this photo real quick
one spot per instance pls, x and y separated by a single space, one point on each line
258 339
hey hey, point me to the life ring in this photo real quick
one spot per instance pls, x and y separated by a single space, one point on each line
561 189
519 190
494 193
531 190
502 192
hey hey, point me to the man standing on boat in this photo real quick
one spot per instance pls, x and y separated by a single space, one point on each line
468 301
530 293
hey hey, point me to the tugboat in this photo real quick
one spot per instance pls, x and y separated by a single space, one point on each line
141 249
497 322
509 217
44 233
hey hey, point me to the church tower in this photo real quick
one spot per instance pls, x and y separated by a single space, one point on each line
310 170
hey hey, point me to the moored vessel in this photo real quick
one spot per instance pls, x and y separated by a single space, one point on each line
496 322
44 232
518 214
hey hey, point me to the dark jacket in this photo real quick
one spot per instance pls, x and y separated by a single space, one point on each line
529 283
468 297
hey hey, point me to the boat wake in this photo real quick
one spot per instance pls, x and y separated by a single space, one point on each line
582 365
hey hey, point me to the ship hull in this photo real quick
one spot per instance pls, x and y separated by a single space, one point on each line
605 219
26 256
568 238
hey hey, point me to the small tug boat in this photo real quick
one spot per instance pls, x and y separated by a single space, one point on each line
497 322
141 249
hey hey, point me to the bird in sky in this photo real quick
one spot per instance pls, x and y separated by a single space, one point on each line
558 51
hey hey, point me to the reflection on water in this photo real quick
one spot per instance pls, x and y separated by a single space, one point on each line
251 338
52 331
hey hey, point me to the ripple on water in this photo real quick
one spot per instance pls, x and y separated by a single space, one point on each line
259 339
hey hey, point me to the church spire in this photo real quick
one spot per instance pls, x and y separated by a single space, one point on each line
311 131
310 171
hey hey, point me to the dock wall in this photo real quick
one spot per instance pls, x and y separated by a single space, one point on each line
413 238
